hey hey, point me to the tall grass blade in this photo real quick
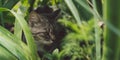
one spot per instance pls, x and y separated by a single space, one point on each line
74 11
9 3
28 34
9 41
5 54
86 6
97 33
112 40
17 28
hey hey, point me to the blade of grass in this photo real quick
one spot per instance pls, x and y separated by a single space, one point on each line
1 15
1 19
21 10
98 6
17 28
9 3
86 6
5 54
74 11
112 40
9 41
28 34
89 9
97 34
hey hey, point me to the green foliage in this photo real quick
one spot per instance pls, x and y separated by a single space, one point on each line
84 14
79 43
14 44
5 54
73 10
9 42
79 17
7 4
111 17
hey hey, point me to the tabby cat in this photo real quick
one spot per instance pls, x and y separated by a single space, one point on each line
42 23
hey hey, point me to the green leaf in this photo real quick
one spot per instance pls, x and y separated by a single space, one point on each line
6 55
12 44
74 11
28 34
9 3
83 4
55 52
3 9
17 28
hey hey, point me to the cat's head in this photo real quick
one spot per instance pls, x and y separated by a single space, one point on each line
42 26
48 12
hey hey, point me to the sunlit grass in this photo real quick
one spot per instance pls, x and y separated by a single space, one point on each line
83 39
14 44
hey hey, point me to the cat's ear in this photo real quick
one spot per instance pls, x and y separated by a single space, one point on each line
54 15
44 9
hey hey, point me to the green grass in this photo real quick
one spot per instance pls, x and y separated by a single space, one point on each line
80 19
14 44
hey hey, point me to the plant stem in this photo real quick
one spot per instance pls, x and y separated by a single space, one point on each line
97 32
112 40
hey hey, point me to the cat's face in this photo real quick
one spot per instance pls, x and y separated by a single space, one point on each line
41 28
